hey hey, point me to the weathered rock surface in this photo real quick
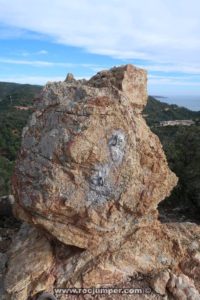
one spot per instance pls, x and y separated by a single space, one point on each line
89 162
30 260
182 288
159 282
89 177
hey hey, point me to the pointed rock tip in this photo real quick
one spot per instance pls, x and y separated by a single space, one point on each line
70 78
128 79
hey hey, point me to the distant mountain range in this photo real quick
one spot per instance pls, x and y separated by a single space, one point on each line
156 111
18 93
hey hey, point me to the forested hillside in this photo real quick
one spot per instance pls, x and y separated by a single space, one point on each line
156 111
15 107
181 145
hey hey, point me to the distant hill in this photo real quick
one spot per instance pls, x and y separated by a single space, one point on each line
181 145
157 111
12 94
12 120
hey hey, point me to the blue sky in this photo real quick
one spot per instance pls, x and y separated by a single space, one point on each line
43 40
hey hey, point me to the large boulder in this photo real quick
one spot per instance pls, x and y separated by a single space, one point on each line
88 161
89 176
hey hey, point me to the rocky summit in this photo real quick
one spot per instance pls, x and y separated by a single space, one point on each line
87 183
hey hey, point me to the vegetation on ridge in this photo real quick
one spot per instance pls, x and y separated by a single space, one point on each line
12 120
156 111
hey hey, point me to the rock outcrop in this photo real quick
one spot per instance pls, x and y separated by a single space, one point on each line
88 180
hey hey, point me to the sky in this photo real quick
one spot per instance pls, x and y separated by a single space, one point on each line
43 40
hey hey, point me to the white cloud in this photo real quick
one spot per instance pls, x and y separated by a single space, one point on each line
7 33
35 63
31 79
179 81
28 53
43 52
43 63
40 80
157 30
176 68
174 85
163 35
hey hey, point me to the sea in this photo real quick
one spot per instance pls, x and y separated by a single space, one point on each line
191 102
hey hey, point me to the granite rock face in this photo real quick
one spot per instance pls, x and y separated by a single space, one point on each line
89 162
30 260
89 177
